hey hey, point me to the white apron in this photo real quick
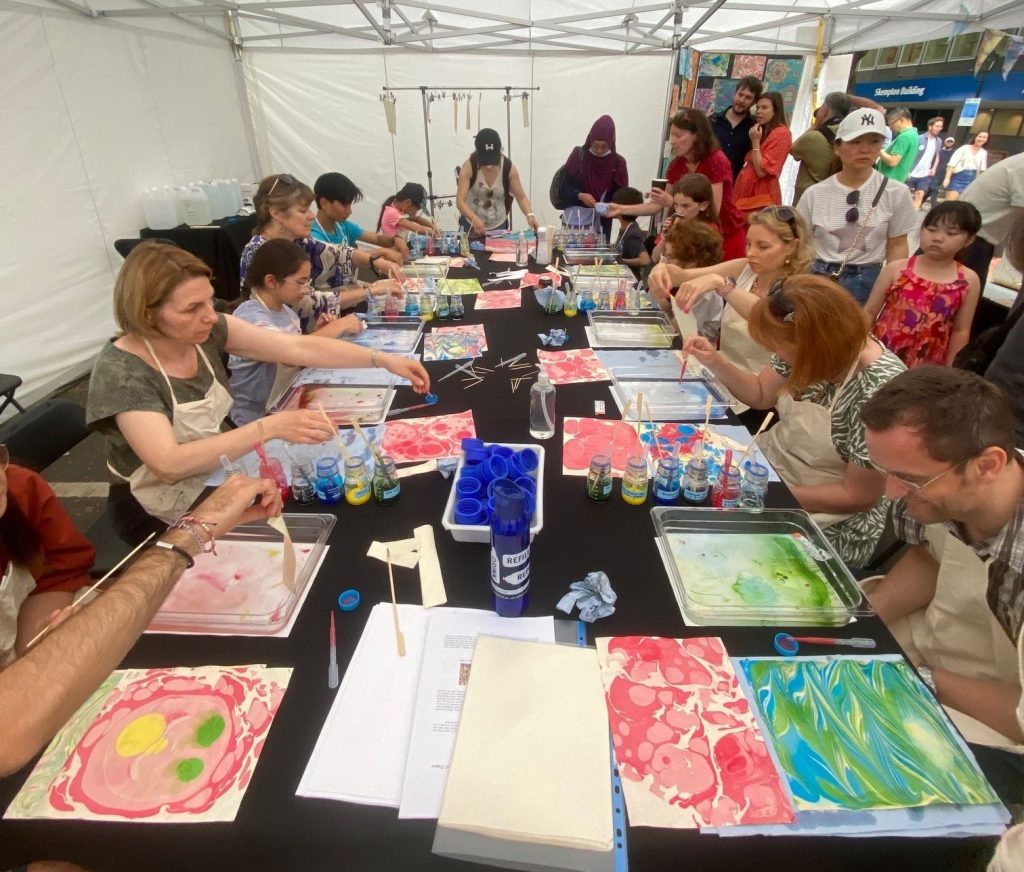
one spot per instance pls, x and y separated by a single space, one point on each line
957 630
800 446
735 342
15 586
189 422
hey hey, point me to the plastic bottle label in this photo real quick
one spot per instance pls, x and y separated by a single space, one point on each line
635 492
391 492
695 496
510 585
667 493
730 504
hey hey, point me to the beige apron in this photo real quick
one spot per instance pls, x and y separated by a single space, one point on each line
800 446
735 343
189 422
15 586
958 632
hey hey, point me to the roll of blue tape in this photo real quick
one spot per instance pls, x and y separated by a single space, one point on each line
348 600
470 512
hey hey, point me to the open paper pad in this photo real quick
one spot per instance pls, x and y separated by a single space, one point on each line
529 785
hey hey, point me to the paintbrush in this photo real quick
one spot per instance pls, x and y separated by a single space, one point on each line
84 594
399 638
764 426
378 458
334 430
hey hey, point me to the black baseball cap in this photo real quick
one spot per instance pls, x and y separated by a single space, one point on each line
413 192
488 147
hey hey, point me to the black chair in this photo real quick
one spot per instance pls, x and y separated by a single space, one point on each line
124 246
8 385
45 433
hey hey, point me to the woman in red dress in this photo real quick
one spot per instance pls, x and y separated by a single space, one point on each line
757 185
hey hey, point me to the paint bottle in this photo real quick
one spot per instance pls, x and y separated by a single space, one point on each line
426 307
443 307
464 244
273 468
372 309
666 482
547 293
391 307
754 487
587 303
330 486
635 481
412 305
696 485
599 479
510 550
386 485
303 482
726 492
620 297
457 308
357 482
570 307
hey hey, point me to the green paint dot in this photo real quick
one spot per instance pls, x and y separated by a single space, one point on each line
209 731
189 768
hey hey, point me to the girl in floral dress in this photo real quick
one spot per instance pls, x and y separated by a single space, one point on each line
922 307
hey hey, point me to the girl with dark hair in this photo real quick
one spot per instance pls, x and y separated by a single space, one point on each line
757 185
277 282
43 557
696 151
692 200
922 306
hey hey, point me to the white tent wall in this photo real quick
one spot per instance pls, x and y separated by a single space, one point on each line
96 113
321 112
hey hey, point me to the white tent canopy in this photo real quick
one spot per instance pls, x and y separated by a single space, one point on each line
103 99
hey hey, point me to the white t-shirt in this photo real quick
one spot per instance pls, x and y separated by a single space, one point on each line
965 158
999 196
924 165
824 206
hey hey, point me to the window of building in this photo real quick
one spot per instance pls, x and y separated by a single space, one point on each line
935 51
867 62
1006 122
965 47
982 122
887 57
910 55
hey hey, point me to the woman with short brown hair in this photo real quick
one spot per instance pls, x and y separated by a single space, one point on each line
823 368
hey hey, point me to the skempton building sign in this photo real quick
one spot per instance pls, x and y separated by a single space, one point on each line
944 89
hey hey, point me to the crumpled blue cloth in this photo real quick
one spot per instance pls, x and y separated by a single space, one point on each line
477 246
542 295
593 595
555 337
446 466
471 261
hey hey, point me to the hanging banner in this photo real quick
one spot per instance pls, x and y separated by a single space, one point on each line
1014 49
989 41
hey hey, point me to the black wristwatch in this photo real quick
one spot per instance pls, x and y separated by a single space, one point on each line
373 261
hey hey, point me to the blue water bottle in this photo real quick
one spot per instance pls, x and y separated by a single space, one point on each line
510 550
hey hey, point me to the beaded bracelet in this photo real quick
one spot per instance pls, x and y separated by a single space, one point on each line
189 524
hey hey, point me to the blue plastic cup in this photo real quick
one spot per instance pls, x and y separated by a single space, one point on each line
468 487
470 513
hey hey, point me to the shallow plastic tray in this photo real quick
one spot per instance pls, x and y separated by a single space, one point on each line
343 403
426 270
482 532
589 255
633 328
214 596
399 334
605 270
829 597
670 399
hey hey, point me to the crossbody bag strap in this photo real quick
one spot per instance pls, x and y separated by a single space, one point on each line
860 230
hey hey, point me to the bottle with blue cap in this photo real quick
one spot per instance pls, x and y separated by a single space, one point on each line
510 550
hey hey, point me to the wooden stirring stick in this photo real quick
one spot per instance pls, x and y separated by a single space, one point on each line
86 593
764 426
707 418
288 568
334 430
399 638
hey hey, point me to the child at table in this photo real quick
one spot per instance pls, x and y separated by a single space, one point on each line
631 238
692 200
922 306
398 216
695 244
278 283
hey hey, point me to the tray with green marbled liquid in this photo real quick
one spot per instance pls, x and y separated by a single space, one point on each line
744 567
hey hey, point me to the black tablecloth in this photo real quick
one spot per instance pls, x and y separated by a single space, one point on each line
218 245
276 830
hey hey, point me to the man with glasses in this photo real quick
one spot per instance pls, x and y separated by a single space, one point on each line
944 439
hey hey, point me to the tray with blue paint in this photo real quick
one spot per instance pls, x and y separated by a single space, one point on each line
671 399
739 567
400 334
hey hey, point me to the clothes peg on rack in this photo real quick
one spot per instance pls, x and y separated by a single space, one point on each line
469 120
526 109
388 100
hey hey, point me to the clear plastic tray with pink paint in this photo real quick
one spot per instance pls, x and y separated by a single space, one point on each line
239 589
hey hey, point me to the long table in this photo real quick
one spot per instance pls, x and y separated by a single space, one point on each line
276 830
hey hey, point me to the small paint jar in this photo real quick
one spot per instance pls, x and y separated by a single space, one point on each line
357 482
599 478
569 309
696 484
635 481
387 487
458 310
272 468
330 486
426 307
666 482
726 492
754 486
303 482
443 307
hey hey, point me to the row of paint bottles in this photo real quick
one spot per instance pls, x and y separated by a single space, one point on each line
634 480
355 487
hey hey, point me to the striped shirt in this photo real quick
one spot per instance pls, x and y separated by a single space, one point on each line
824 207
1005 550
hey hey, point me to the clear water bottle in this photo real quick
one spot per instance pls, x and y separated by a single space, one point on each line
542 408
522 250
754 487
510 550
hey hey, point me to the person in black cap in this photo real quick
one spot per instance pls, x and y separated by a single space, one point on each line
399 213
488 182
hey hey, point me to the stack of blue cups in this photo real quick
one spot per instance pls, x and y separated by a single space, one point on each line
483 465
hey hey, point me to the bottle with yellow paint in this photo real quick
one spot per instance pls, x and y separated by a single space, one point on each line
357 482
635 481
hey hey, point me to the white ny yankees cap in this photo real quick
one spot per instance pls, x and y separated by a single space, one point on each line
859 123
488 147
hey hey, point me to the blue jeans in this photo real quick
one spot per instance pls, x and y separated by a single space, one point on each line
858 278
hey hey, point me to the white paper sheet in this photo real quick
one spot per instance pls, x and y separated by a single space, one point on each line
447 654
